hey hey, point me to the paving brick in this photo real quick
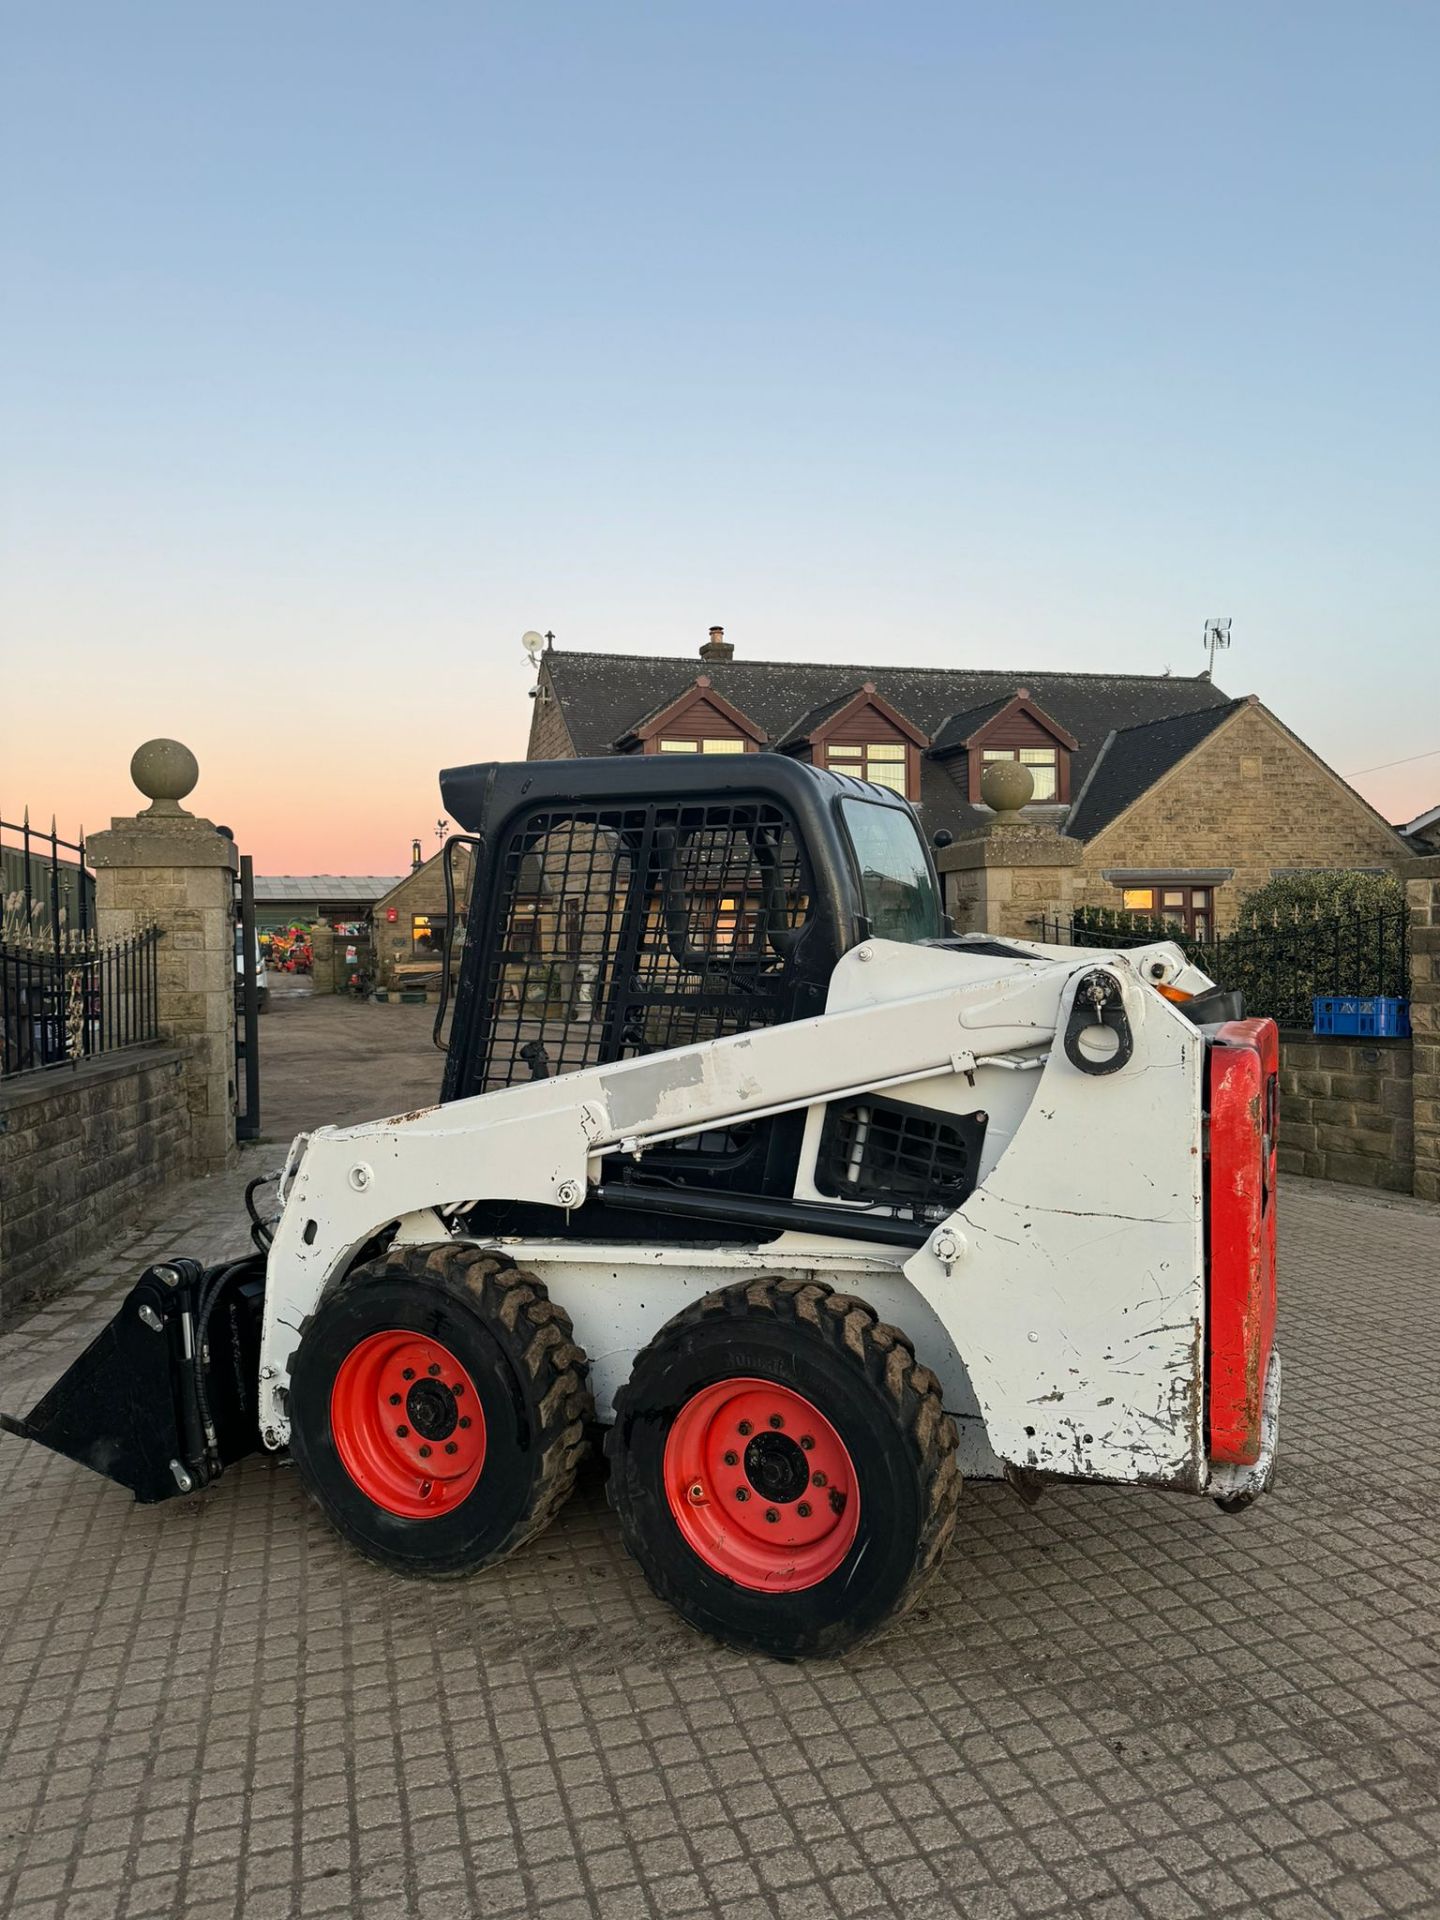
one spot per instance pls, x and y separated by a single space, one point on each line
1115 1705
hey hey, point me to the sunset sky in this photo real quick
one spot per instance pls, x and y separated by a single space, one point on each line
343 342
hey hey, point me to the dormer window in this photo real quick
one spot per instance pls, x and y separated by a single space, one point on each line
1043 762
1009 728
861 734
881 761
700 720
709 743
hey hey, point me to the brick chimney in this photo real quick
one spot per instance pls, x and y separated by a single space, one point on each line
717 648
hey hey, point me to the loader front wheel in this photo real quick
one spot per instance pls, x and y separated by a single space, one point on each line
438 1405
783 1468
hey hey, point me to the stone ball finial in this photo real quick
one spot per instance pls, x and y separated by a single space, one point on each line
1006 786
164 771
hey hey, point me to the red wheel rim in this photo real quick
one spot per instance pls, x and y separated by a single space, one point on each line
761 1485
407 1424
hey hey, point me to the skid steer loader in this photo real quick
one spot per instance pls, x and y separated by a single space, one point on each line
816 1207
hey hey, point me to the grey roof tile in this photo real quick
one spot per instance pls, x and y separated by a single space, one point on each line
603 695
273 889
1134 760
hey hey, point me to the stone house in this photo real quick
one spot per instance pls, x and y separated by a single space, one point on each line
409 923
1172 798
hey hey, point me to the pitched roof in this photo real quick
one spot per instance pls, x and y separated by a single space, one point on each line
1429 818
273 889
1133 759
805 724
603 695
960 726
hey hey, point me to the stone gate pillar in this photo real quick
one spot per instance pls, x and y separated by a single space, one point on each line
1422 896
1012 872
165 867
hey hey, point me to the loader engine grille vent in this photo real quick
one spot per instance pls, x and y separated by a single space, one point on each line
909 1159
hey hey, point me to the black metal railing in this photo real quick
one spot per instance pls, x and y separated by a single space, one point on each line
45 892
65 994
71 1001
1280 966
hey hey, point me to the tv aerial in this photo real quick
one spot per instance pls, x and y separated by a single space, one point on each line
1217 639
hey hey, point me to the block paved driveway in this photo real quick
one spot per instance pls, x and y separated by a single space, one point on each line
1116 1704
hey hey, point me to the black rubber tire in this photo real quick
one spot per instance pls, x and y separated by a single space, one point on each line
519 1349
863 1376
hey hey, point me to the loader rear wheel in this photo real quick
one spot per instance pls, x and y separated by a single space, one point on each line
783 1468
438 1404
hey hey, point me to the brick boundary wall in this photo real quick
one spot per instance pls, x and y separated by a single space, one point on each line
82 1151
1345 1110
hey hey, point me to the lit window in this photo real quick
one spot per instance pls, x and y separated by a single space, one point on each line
1043 762
882 762
728 744
1190 908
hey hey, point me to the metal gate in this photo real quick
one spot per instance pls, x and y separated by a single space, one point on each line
247 1007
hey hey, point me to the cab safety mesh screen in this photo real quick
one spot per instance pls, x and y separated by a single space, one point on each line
911 1158
628 929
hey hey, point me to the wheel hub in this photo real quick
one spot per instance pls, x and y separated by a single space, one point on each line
432 1409
407 1424
761 1485
775 1468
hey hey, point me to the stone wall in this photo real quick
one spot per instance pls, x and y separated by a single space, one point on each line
1345 1110
549 736
82 1150
169 869
1422 892
1253 800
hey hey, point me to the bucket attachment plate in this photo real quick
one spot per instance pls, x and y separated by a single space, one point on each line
163 1398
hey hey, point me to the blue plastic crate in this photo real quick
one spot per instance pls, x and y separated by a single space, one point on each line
1374 1016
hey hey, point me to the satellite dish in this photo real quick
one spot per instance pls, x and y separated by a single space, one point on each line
533 643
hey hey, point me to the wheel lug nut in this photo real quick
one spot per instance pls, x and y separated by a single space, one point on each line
803 1509
458 1388
744 1427
434 1366
402 1433
408 1374
777 1420
732 1459
450 1446
817 1480
807 1440
424 1453
742 1493
771 1514
464 1419
394 1399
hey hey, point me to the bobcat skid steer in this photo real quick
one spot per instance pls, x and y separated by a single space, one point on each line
816 1207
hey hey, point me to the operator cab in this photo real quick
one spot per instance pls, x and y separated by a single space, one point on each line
621 907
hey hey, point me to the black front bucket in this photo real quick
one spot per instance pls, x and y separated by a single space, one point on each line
164 1398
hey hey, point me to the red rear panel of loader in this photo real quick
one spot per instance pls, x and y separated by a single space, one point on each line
1244 1064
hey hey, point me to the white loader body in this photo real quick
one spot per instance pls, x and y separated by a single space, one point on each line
1062 1306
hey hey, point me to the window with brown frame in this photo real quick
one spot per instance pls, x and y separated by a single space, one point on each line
716 743
1043 762
1175 902
880 761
